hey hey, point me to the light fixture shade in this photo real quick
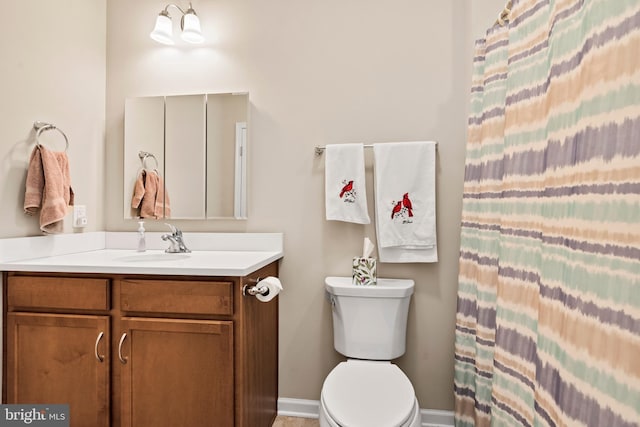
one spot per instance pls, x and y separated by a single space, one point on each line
163 31
191 27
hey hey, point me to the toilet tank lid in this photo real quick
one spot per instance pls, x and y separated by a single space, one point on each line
385 288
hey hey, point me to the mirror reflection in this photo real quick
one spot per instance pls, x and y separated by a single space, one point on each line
195 145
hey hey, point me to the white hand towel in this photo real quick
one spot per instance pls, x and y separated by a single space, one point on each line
405 201
345 192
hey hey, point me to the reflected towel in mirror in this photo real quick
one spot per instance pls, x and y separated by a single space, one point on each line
150 196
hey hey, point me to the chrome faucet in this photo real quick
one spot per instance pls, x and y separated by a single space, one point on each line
176 244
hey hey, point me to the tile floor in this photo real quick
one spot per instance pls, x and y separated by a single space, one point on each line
295 422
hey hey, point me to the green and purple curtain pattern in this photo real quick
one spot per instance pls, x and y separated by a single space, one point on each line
548 320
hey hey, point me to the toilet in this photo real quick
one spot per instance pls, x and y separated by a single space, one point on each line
369 328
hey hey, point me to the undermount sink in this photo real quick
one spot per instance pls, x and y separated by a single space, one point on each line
153 257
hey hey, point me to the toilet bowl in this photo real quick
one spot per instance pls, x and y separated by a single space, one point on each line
369 328
361 393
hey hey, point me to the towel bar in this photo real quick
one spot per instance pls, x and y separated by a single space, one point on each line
319 149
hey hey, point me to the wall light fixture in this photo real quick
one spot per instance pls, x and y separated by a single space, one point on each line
189 24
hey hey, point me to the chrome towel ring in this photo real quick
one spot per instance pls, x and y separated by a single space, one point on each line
144 155
42 126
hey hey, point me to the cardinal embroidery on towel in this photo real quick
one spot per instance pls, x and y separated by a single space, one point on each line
402 210
348 193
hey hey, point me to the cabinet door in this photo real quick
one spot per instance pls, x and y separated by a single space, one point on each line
60 359
176 372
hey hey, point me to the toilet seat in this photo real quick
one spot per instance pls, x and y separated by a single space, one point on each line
360 393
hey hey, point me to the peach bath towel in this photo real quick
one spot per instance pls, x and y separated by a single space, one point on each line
150 197
48 188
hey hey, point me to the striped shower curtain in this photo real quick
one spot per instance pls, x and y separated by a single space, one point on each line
548 320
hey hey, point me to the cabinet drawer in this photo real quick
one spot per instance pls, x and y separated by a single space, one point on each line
58 293
180 297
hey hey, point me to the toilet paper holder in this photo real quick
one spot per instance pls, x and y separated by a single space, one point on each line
254 289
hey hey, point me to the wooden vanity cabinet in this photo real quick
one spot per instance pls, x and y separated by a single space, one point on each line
56 345
176 371
139 351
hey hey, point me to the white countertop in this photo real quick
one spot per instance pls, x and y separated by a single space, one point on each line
247 253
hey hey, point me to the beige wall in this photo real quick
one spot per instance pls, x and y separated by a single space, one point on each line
53 69
317 73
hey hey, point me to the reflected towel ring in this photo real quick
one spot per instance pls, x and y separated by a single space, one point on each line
41 127
144 155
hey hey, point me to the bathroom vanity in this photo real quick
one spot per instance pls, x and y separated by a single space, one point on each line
132 349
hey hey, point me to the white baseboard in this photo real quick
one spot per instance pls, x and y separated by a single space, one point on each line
436 418
304 408
301 408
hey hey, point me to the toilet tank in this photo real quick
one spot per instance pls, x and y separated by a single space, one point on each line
370 322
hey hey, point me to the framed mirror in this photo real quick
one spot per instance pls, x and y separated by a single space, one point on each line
196 145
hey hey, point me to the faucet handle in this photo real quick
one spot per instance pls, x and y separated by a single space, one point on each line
174 230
